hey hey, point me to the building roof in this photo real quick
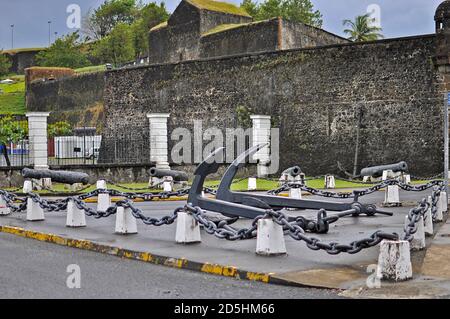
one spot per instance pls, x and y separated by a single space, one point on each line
223 7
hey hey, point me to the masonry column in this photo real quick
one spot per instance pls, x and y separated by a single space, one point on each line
37 132
158 139
260 135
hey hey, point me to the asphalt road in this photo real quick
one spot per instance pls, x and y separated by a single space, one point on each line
33 269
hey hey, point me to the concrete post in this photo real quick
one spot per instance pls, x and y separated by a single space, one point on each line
261 134
37 131
270 238
4 210
103 200
251 184
394 261
188 229
418 242
75 216
125 221
158 139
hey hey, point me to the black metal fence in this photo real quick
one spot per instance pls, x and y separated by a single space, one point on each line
14 145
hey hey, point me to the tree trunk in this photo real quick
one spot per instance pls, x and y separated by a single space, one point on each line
5 154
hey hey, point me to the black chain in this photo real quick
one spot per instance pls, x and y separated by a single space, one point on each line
358 193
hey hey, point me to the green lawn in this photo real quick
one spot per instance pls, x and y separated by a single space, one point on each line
12 98
262 185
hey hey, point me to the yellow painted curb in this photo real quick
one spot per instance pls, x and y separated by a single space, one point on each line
181 263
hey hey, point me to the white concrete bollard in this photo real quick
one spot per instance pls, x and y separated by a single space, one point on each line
330 181
4 210
439 212
188 229
167 186
75 216
295 193
428 223
392 196
418 241
394 260
251 184
34 211
103 200
125 221
443 201
270 238
27 187
407 179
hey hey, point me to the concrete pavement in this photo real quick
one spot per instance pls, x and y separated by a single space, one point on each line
33 269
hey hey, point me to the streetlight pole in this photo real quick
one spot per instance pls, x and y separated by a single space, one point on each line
446 150
49 33
12 36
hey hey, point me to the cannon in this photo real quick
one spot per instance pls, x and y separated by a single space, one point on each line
178 176
292 171
65 177
377 171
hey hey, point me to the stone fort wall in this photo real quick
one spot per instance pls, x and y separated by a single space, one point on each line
314 95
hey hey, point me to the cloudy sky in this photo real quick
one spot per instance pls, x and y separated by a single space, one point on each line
31 27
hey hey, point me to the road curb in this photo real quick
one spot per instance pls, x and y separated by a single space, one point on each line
181 263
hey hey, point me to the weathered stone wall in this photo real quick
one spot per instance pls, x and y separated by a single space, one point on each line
264 36
314 96
254 37
211 19
22 60
77 99
299 35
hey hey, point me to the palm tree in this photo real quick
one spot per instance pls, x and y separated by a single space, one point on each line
361 30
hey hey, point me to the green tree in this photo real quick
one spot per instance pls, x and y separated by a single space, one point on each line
10 132
5 63
100 22
64 52
251 7
361 30
293 10
61 128
117 47
149 16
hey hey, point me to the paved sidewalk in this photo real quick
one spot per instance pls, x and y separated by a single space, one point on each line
301 266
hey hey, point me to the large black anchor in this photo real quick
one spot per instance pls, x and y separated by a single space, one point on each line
238 204
279 202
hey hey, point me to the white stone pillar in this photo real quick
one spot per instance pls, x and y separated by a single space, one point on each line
159 140
261 134
37 132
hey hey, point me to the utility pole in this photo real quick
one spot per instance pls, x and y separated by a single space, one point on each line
446 150
49 33
12 36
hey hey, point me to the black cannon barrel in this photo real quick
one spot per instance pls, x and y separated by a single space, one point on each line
178 176
293 171
377 171
65 177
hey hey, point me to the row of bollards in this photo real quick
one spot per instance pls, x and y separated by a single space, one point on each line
394 262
